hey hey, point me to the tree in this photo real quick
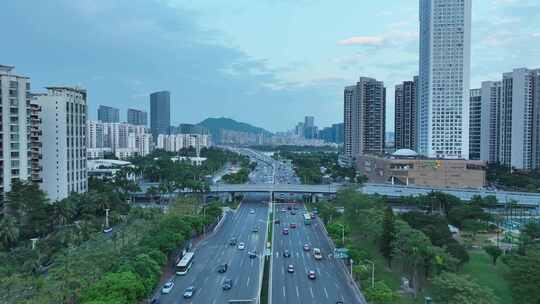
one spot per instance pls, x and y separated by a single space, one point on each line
64 212
494 252
388 236
380 293
451 288
120 288
524 277
532 230
29 205
9 232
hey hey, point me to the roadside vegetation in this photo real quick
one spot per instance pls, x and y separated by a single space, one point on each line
318 167
506 179
415 255
57 252
242 176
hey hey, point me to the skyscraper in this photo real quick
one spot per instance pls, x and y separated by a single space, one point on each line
64 115
137 117
445 51
160 113
364 118
475 123
519 135
406 98
108 114
310 130
490 121
19 135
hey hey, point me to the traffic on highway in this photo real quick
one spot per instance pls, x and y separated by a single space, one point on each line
227 267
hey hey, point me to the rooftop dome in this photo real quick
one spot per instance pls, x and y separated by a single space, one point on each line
405 153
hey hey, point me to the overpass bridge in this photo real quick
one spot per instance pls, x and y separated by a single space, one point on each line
531 200
276 188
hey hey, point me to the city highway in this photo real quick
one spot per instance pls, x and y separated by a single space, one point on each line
243 270
331 283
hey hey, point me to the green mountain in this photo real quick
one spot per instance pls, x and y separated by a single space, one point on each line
214 125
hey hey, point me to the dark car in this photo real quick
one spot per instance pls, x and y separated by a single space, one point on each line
252 254
285 231
289 207
233 241
293 225
277 221
312 275
223 268
155 301
293 212
227 284
286 254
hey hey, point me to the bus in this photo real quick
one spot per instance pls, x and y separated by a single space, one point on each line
307 219
185 263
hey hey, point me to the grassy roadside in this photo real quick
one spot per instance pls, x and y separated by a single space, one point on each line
482 270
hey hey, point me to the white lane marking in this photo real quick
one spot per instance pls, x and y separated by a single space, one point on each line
297 292
311 291
247 284
283 291
214 301
241 262
325 292
282 271
251 262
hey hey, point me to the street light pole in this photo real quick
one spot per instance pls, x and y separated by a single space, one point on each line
372 273
107 218
342 234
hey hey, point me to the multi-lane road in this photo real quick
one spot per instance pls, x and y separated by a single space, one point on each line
331 283
243 270
330 286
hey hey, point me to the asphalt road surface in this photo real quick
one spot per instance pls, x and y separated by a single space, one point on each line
243 270
331 283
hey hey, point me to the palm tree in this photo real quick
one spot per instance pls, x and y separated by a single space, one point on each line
9 232
64 212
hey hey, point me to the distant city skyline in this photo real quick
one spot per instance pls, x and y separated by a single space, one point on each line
216 66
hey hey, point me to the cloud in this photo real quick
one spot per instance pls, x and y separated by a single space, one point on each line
363 41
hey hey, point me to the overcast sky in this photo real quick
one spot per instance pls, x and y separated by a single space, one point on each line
265 62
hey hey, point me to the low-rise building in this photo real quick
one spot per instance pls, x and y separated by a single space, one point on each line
405 167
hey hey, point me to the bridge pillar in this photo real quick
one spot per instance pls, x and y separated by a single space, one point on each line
272 196
313 198
230 197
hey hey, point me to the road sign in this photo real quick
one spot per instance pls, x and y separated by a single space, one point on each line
341 253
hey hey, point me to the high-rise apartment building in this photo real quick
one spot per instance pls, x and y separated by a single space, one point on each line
19 126
160 113
108 114
519 134
63 118
445 51
95 135
406 98
121 139
177 142
490 120
475 123
137 117
364 118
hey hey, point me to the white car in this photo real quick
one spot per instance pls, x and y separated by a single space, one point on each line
241 246
252 211
167 287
